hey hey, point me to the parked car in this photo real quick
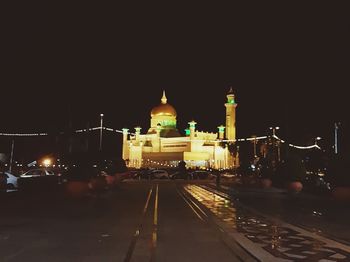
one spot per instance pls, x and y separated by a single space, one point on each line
314 182
8 181
40 172
199 174
142 174
228 175
38 179
159 174
3 183
180 175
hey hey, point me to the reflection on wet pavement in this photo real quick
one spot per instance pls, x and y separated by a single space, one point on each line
282 241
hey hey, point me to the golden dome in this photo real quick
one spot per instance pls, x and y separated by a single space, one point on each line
164 109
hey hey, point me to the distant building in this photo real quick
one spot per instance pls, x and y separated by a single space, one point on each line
164 146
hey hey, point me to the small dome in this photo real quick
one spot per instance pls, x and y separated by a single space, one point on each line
163 110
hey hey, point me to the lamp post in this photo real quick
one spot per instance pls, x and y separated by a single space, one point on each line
254 146
274 128
101 131
279 151
11 157
336 127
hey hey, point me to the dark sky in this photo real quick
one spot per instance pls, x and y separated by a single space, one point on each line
288 65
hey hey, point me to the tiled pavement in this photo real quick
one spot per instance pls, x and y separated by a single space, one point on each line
266 238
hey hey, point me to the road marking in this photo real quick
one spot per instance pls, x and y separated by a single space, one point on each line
155 218
155 226
183 197
138 230
194 204
237 250
14 255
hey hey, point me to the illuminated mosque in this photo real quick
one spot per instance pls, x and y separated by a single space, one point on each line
163 145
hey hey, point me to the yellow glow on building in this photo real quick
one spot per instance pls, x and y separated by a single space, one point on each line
163 145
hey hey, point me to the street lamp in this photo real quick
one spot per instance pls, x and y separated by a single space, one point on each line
101 131
47 162
317 139
274 130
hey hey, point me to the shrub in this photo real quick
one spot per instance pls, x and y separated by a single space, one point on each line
338 172
293 169
265 169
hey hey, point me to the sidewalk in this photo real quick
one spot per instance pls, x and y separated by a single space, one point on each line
267 235
272 191
317 213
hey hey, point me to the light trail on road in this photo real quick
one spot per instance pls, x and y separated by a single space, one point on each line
190 194
190 205
139 228
155 226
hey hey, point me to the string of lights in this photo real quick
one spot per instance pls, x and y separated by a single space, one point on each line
23 134
295 146
87 129
152 162
118 131
236 140
185 139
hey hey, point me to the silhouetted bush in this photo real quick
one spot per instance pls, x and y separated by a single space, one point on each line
265 169
293 169
81 167
339 171
115 166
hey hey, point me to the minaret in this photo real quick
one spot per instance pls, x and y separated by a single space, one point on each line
192 128
125 144
221 131
137 134
230 116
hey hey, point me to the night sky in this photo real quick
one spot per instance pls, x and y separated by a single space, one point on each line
288 66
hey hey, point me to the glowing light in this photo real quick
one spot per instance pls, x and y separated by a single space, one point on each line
192 124
47 162
23 134
221 128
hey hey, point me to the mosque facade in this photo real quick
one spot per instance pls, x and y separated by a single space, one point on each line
163 145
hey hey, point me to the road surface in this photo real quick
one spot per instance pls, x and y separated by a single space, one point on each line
154 221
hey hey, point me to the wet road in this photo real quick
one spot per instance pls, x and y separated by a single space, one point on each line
138 221
153 221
